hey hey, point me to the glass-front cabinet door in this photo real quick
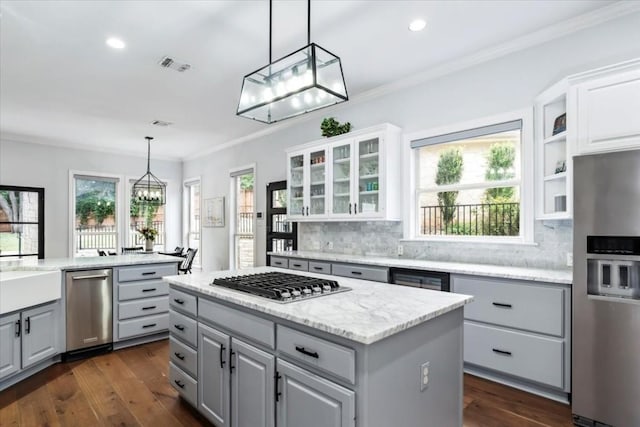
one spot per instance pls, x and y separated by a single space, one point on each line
368 191
342 165
296 185
317 183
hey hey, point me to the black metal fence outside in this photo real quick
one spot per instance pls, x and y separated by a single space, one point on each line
484 219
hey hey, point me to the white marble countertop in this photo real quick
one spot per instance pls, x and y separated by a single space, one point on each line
81 263
368 313
520 273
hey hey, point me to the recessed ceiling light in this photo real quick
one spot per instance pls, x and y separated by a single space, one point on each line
417 25
115 43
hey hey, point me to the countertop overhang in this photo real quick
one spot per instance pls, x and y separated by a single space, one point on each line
370 312
83 263
564 277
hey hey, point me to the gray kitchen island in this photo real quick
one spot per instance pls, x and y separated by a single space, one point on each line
376 355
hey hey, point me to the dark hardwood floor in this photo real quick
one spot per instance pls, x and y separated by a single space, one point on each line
129 388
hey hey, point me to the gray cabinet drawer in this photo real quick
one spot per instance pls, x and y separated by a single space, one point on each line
248 325
377 274
319 267
146 272
143 325
183 327
144 307
516 305
146 289
186 386
183 356
324 355
183 301
299 264
279 262
527 356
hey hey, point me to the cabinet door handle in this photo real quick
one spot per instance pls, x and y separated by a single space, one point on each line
349 208
222 362
503 352
179 355
277 377
307 210
179 383
18 327
302 211
149 290
149 326
231 367
151 307
308 352
355 209
179 301
179 327
27 327
502 305
148 273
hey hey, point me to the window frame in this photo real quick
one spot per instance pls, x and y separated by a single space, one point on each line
118 213
40 223
526 181
186 215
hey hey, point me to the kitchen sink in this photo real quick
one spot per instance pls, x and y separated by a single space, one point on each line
21 289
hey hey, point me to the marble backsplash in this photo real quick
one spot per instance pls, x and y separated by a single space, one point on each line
553 239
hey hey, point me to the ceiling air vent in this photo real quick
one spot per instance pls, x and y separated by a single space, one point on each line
161 123
168 62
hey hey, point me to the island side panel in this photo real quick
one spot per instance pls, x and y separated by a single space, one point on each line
390 371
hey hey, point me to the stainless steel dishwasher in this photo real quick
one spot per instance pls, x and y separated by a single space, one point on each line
89 299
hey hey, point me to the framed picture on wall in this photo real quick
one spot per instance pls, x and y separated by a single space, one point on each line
213 212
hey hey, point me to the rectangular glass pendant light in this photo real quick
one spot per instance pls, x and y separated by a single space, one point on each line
305 80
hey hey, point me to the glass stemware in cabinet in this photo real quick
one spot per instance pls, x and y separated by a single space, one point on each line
341 179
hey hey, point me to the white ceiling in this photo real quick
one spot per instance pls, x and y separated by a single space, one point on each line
61 84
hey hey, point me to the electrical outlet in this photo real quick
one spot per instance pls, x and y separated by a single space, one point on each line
400 250
329 245
424 376
569 259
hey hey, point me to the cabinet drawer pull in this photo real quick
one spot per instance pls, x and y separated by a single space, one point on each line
179 301
308 352
149 290
148 273
357 273
502 305
149 326
503 352
222 362
179 355
297 265
179 383
151 307
317 268
179 327
18 327
278 262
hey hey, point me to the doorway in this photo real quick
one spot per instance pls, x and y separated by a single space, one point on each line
243 219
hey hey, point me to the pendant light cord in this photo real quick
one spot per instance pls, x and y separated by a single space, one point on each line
148 153
270 25
308 21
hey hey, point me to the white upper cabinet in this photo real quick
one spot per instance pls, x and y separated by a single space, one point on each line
606 105
351 177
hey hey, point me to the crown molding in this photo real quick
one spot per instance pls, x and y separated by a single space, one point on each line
546 34
55 143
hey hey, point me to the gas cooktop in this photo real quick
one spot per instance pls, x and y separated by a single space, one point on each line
281 287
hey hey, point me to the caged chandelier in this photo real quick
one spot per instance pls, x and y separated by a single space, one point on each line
149 189
305 80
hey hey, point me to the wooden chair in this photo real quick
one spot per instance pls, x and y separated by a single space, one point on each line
132 250
185 266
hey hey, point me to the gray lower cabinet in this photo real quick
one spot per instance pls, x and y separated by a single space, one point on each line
9 344
312 401
29 337
252 385
213 375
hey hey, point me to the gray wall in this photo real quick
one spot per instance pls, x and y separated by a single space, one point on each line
46 166
504 84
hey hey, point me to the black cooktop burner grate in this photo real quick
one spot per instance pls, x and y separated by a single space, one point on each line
280 287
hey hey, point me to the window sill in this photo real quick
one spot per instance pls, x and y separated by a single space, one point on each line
475 240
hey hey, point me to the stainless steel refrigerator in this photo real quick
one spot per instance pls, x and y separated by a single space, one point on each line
606 290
